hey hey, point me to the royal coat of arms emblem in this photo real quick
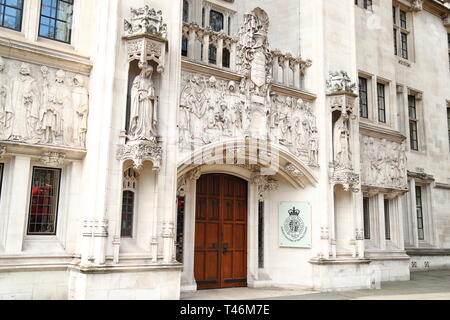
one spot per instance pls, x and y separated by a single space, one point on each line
294 227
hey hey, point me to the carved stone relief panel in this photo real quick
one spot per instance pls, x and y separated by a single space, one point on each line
42 105
383 163
214 109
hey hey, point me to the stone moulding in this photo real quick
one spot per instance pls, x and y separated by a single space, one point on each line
139 152
53 159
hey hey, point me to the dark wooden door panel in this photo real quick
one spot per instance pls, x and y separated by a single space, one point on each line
221 232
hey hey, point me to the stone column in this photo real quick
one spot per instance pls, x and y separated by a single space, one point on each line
205 48
17 211
99 146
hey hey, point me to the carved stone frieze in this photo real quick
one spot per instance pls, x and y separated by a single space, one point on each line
2 151
43 106
140 151
383 163
214 110
52 159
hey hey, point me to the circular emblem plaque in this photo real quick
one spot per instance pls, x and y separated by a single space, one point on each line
294 228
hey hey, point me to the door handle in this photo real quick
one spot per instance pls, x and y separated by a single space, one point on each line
225 248
216 246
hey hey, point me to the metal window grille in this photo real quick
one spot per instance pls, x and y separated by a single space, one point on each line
44 201
413 135
261 234
128 203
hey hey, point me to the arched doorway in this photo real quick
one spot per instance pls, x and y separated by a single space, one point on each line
221 231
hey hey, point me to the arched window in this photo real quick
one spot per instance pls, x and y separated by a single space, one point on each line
128 203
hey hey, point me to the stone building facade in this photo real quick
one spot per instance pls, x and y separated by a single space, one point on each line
152 147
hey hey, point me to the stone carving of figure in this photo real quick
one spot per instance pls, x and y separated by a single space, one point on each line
286 123
314 147
5 112
54 98
25 103
143 117
184 124
342 154
80 100
381 160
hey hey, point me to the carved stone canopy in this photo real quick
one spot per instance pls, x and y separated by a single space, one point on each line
140 151
146 37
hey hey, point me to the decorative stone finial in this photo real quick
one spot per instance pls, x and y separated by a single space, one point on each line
146 21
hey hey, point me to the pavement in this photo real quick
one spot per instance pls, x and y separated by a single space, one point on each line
428 285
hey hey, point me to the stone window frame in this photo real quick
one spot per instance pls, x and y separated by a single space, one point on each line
421 132
425 182
403 33
378 239
370 97
228 16
388 106
58 203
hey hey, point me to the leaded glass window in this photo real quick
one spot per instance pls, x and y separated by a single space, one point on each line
128 202
366 217
381 103
363 99
419 211
216 20
56 20
185 11
45 184
387 220
413 135
261 234
11 14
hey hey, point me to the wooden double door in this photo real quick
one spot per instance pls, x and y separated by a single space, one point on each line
221 232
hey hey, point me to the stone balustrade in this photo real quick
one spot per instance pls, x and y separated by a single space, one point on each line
292 69
214 48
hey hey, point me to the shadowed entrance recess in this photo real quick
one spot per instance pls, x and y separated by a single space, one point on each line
221 232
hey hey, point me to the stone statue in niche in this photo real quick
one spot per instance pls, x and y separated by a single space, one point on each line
341 136
80 98
51 110
143 119
25 103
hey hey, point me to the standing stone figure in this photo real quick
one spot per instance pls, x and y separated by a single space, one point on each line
5 113
80 99
25 103
143 106
342 155
51 112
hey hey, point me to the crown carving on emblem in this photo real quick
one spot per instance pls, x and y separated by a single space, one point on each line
294 212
